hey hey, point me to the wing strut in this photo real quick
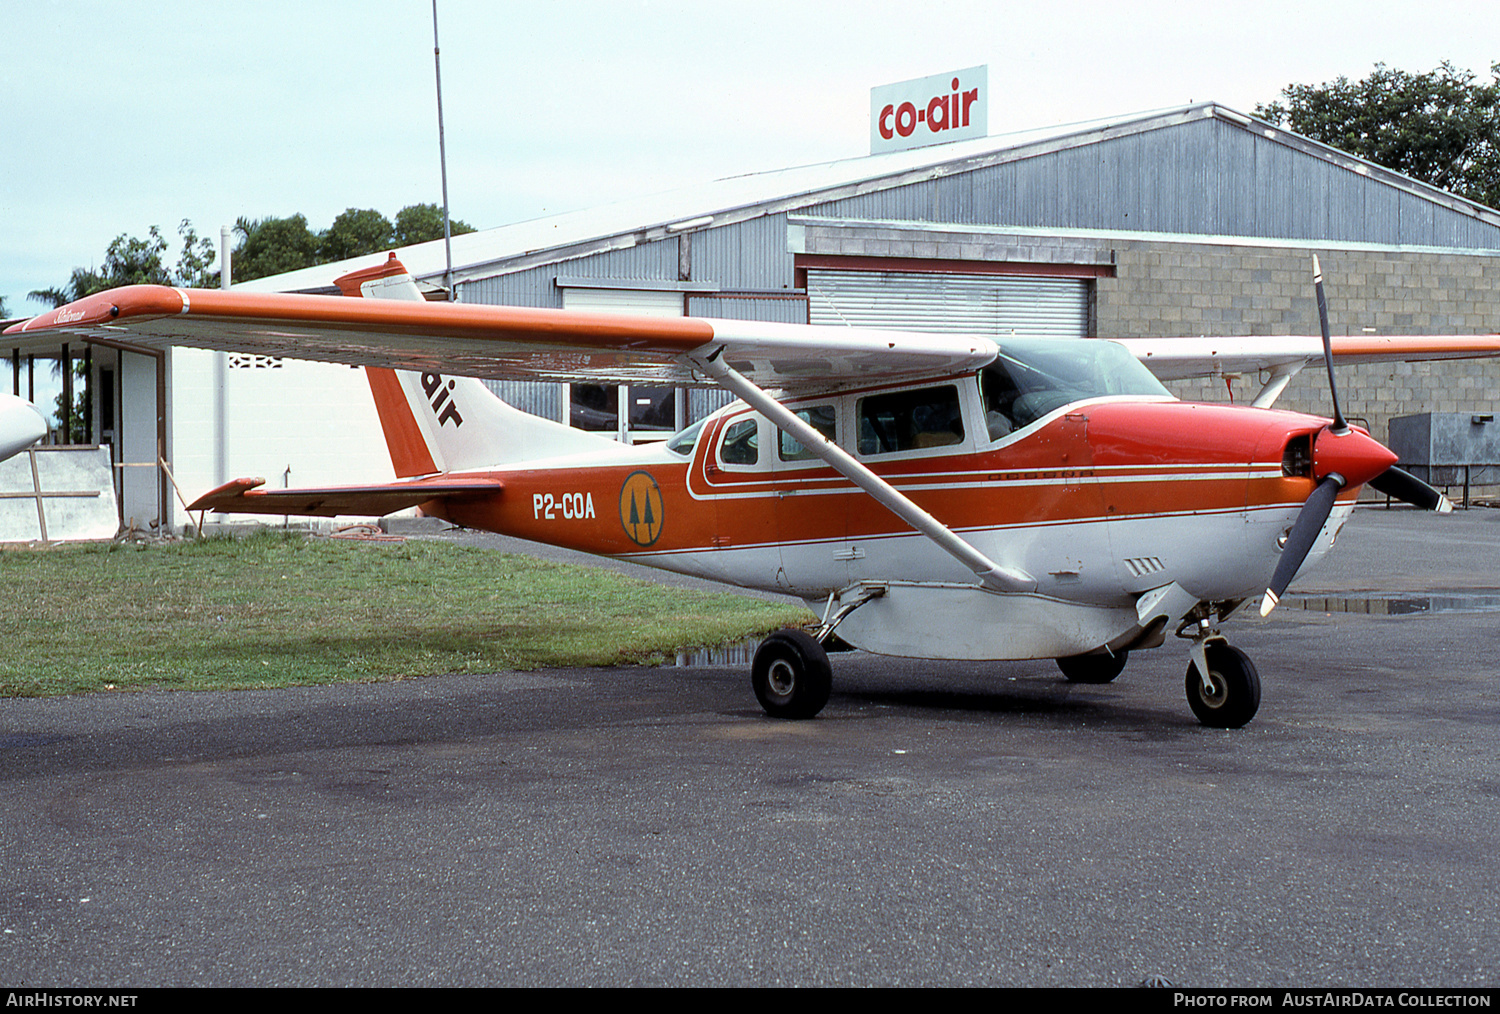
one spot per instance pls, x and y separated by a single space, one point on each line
991 574
1280 376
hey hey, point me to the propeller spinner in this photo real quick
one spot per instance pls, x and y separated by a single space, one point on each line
1342 456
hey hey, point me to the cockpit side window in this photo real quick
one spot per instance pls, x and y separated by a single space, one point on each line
910 420
740 444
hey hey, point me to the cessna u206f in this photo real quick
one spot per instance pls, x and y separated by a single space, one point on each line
930 495
21 425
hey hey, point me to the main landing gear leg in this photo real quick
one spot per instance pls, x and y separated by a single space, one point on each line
790 675
1223 688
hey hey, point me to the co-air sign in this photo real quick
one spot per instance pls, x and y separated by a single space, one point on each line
929 110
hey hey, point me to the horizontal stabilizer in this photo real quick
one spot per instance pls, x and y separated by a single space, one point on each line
244 496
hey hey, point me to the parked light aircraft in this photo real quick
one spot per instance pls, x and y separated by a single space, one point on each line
930 495
21 425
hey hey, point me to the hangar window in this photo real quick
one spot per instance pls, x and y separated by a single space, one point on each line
910 420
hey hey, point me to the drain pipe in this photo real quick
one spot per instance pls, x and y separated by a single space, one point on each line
221 376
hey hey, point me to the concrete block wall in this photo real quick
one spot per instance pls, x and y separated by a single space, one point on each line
1167 289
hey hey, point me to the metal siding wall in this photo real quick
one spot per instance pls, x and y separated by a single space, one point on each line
533 287
540 399
654 261
1207 177
1236 183
1417 217
746 255
909 203
780 311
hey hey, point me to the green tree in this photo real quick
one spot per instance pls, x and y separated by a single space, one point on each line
421 223
195 266
1442 127
130 260
355 232
270 246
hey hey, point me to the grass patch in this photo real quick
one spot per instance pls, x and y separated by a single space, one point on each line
275 610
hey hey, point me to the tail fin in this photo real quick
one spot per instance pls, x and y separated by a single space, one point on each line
436 423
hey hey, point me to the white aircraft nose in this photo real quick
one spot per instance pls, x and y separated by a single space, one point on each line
21 425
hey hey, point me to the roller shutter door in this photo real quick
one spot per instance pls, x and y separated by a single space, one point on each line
993 305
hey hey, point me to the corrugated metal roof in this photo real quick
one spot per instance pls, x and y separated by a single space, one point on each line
624 224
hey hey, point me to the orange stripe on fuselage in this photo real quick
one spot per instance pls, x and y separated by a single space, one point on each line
1108 462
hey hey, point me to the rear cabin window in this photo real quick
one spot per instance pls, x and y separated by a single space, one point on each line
910 420
820 418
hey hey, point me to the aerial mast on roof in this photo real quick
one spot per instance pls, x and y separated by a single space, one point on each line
437 65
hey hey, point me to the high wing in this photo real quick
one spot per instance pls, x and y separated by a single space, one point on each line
506 342
562 346
1279 358
1181 358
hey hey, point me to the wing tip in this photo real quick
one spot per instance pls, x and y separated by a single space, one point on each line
231 490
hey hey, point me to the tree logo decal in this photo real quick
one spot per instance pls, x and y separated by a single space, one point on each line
641 508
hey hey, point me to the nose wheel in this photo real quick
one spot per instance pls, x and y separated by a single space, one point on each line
791 675
1229 695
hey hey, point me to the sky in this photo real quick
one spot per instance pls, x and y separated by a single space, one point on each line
122 115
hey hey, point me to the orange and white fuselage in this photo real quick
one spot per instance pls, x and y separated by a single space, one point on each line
1101 502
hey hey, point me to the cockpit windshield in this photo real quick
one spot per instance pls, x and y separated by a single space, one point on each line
685 440
1033 377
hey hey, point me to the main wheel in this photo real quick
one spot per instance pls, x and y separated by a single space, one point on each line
791 675
1233 696
1100 668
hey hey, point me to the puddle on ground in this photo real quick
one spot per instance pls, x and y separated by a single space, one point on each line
1400 603
739 653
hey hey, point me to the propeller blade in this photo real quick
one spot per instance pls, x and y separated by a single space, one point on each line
1404 486
1299 542
1339 425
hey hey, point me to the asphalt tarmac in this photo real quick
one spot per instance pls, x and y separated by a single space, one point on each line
938 824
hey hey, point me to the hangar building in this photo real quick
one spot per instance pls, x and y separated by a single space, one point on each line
1196 220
